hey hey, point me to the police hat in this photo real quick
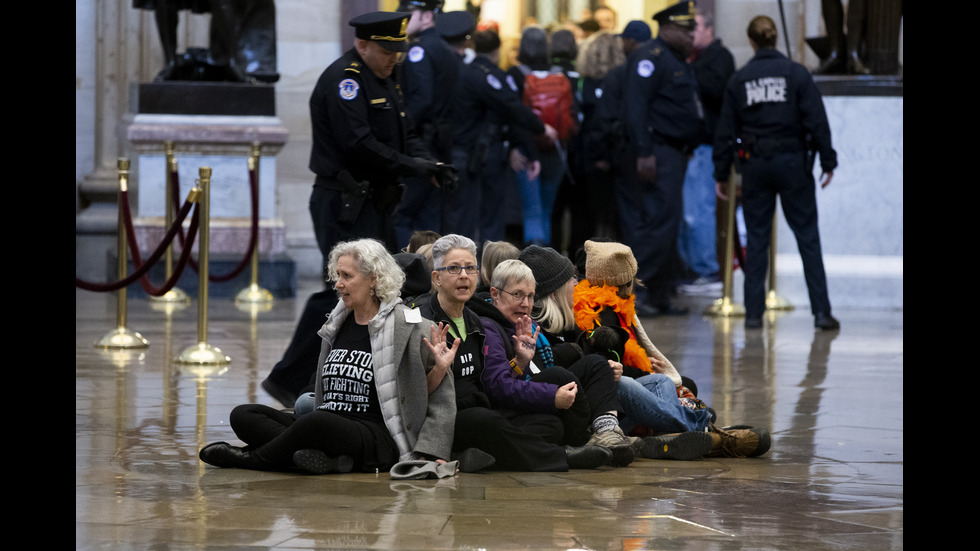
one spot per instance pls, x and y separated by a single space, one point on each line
385 28
424 5
637 30
681 13
455 26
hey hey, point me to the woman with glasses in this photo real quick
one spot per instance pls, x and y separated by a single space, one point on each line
372 404
522 372
515 440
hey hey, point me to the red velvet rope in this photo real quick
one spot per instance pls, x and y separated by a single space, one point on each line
185 240
254 188
143 268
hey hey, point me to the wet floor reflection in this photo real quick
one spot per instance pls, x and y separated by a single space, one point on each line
834 478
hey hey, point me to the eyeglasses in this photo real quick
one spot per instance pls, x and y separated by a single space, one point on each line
519 296
455 270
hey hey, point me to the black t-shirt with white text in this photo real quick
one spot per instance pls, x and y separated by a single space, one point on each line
348 375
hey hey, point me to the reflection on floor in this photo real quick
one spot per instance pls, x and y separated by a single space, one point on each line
833 479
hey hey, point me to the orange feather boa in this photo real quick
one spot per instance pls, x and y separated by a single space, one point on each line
590 300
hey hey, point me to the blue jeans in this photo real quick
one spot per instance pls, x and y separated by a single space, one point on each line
538 198
651 401
696 236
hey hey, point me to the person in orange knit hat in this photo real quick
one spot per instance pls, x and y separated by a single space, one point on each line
605 298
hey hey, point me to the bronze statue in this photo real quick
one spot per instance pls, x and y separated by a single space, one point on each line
844 53
242 40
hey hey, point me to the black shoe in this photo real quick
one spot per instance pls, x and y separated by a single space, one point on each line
683 446
753 323
587 457
825 322
223 454
284 396
317 462
474 460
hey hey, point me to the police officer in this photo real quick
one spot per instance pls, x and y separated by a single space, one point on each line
362 142
427 77
664 122
773 120
485 101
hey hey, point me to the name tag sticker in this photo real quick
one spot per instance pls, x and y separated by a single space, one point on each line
413 316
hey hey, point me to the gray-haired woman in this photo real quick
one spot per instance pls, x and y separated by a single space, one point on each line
372 406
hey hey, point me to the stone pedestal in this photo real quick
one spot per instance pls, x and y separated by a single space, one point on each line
222 142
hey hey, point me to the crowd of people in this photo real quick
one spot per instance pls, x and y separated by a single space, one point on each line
417 357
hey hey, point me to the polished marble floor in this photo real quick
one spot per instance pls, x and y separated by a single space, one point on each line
833 480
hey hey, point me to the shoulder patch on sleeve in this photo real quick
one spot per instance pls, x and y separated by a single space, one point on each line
416 54
348 89
493 82
644 68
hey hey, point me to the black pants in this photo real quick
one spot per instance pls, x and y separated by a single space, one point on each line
576 419
784 175
518 441
273 436
650 217
598 383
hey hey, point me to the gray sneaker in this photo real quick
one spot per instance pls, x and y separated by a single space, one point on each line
615 441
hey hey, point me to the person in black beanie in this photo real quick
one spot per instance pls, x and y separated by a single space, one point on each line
555 280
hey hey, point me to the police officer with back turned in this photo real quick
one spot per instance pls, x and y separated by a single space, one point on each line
772 123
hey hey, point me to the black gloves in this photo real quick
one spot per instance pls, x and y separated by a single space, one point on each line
425 167
445 175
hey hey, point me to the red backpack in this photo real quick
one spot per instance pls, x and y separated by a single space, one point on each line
550 97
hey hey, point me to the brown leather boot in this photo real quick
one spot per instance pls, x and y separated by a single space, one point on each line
738 441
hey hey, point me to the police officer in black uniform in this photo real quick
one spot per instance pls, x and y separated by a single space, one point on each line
427 77
362 142
484 102
664 119
772 123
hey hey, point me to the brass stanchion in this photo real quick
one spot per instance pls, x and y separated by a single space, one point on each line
725 306
175 298
203 353
773 300
253 294
121 337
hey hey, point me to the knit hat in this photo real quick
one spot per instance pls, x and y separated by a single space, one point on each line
551 269
609 262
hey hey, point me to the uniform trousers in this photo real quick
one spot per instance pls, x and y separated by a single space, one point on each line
293 372
496 183
460 208
650 216
763 179
420 209
273 436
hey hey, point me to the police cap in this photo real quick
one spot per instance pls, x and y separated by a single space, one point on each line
455 26
385 28
424 5
681 13
637 30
